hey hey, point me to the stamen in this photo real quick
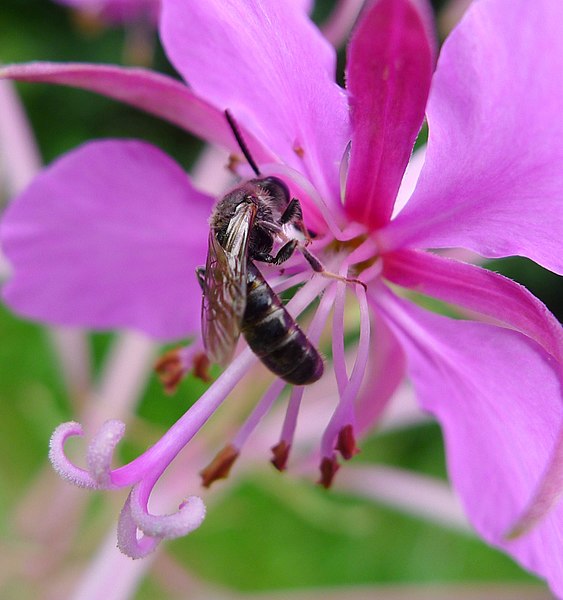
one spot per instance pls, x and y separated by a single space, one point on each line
233 163
201 366
338 356
386 372
298 149
281 450
283 283
258 413
344 414
175 364
220 466
100 451
66 469
329 467
281 454
159 456
346 443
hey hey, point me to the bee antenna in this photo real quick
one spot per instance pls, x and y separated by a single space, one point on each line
242 144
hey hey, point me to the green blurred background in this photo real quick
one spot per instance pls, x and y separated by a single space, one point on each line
269 532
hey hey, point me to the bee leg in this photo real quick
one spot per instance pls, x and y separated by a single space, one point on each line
200 274
283 254
318 267
294 214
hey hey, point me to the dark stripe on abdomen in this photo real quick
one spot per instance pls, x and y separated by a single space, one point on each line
275 337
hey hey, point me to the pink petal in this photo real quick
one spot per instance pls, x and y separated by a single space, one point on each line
119 11
547 495
109 236
492 179
338 25
157 94
267 63
479 290
304 5
390 61
497 396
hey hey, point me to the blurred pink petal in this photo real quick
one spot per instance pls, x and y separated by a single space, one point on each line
492 179
272 68
497 396
157 94
416 494
19 156
118 11
390 62
109 235
341 20
305 5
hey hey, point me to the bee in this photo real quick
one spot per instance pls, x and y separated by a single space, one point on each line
237 299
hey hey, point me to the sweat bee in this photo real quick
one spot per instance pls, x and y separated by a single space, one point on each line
244 225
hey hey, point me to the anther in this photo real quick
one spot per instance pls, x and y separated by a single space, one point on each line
233 163
172 367
220 466
201 364
329 466
281 454
346 443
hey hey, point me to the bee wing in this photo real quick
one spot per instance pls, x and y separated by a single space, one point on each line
224 298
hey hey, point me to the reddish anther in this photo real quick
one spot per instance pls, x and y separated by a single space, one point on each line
329 467
220 466
170 370
201 367
281 454
346 444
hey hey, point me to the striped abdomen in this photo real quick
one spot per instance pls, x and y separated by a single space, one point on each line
275 337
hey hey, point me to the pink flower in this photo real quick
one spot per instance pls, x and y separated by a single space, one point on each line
110 235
